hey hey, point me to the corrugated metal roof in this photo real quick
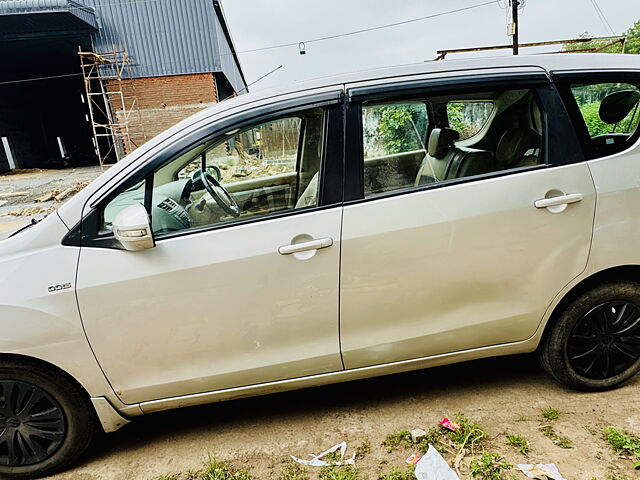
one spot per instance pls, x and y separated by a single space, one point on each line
166 37
36 16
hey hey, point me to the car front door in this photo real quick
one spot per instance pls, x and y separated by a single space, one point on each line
223 300
469 248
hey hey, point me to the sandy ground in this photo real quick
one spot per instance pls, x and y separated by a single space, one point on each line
504 394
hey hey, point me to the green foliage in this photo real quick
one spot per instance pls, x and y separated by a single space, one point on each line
550 413
470 433
401 127
519 442
623 442
590 113
217 470
559 440
363 449
343 472
632 45
397 440
395 473
489 466
293 471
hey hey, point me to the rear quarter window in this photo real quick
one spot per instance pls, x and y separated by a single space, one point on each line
468 117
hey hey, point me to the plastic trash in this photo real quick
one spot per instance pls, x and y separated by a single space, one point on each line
449 424
316 460
433 467
413 459
542 471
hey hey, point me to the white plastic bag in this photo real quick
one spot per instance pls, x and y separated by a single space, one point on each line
433 467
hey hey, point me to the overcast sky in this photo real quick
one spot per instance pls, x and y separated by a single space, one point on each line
262 23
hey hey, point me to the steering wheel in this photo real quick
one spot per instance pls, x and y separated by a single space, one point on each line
225 201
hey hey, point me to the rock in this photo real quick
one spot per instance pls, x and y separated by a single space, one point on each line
417 434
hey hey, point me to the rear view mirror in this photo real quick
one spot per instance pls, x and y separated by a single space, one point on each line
132 229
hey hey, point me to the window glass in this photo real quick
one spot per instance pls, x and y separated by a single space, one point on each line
394 138
468 117
257 170
409 144
608 108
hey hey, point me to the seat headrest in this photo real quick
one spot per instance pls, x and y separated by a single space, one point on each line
513 145
440 140
617 105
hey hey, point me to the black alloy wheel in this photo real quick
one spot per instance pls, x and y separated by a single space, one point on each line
606 340
32 424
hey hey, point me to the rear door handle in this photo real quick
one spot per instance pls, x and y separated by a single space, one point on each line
560 200
304 246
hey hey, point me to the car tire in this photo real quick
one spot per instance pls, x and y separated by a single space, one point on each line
595 343
46 417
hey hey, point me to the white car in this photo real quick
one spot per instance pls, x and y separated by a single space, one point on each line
355 226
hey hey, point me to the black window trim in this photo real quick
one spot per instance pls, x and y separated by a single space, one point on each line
549 101
86 233
563 81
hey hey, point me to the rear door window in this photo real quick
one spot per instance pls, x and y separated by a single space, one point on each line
468 117
610 114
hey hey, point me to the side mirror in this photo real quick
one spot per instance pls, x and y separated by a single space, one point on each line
132 229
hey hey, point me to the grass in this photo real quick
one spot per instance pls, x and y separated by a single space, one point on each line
343 472
624 443
363 449
395 473
519 442
217 470
489 466
550 414
397 440
293 471
469 434
559 440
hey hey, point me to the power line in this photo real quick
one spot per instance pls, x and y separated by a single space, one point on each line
602 17
257 80
40 78
370 29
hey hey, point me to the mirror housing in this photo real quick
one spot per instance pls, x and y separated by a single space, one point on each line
132 229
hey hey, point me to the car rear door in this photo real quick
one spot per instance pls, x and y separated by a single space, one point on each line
468 262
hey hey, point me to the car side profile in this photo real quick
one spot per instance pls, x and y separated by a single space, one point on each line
349 227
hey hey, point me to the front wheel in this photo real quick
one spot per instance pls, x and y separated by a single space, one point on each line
46 422
595 344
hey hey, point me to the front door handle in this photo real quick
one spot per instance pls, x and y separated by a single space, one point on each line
304 246
559 200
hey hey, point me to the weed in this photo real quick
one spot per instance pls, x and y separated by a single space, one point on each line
332 456
522 418
397 440
396 474
559 440
490 466
293 471
470 433
550 413
623 442
343 472
433 437
363 449
217 470
519 442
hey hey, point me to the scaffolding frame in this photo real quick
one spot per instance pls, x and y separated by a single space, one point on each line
110 95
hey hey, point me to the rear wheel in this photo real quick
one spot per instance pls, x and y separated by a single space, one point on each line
46 421
595 344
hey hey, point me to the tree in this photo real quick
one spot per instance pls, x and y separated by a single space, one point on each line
632 44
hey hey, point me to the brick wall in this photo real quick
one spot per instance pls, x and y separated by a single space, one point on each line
161 102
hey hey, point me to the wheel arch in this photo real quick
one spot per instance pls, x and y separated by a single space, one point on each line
104 413
620 272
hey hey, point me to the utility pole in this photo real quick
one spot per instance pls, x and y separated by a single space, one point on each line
513 28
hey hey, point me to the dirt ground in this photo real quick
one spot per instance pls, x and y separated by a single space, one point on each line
38 182
503 394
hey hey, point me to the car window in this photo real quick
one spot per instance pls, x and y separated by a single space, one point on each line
468 117
610 112
260 169
411 144
394 135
